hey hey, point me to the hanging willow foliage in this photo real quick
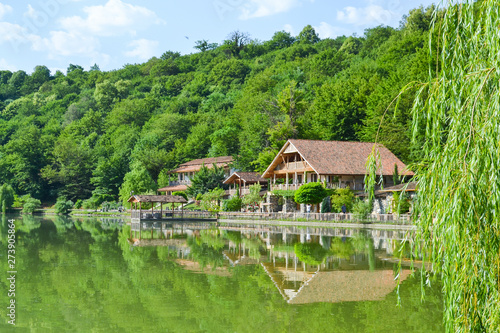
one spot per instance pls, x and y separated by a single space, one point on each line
457 112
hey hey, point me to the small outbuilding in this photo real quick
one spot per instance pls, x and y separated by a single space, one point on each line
136 202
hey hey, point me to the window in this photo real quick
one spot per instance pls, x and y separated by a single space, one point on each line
314 177
299 179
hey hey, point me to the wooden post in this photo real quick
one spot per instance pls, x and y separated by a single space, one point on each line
172 210
161 211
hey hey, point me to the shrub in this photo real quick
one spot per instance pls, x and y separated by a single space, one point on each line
342 196
400 203
6 197
326 205
310 193
253 199
30 205
78 204
361 209
63 206
232 205
181 193
210 201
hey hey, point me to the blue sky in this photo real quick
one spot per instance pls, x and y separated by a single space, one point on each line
113 33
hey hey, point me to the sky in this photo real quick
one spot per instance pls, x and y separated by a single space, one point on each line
113 33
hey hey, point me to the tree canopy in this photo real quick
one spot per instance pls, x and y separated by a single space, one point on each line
85 133
206 180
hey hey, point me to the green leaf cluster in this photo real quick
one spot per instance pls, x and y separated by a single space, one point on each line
310 193
205 180
342 196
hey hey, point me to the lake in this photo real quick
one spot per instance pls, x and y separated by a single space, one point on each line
94 274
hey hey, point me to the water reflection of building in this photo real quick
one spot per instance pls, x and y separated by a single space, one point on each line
357 265
300 287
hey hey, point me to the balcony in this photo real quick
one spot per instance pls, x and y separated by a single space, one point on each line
292 166
180 182
354 187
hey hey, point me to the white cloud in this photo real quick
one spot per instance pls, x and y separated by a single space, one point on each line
63 43
5 66
4 9
373 14
288 28
326 30
31 13
143 49
261 8
16 35
113 18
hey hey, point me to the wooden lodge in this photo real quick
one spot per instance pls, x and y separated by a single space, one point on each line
239 182
187 170
338 164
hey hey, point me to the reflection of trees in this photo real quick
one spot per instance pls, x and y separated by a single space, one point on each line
253 245
310 253
63 223
233 236
135 256
94 227
341 248
29 222
206 254
212 238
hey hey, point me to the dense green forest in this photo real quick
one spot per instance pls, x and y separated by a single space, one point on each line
93 133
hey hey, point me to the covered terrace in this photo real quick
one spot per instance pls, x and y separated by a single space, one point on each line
137 201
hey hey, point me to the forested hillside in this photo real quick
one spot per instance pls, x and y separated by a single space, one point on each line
92 133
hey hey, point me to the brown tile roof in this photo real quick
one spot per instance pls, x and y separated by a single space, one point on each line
248 177
195 165
173 188
157 198
409 187
342 157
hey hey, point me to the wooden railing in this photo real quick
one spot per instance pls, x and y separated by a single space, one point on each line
356 187
327 217
169 214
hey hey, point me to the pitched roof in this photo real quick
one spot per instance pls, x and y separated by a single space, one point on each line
408 187
333 286
348 286
157 198
195 165
340 157
248 177
173 188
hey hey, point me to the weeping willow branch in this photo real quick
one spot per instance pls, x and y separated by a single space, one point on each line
458 113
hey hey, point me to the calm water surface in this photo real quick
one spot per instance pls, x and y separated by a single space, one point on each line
94 275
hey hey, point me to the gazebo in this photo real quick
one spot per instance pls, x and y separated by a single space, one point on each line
137 200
